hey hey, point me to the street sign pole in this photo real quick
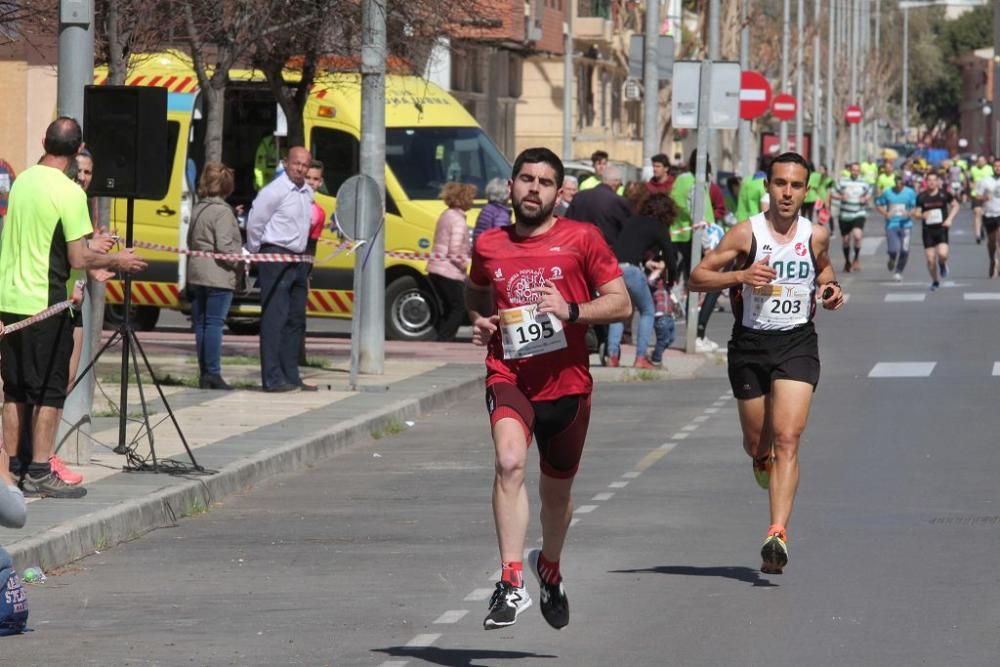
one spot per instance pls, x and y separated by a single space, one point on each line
745 129
799 86
651 90
785 36
370 302
829 153
700 205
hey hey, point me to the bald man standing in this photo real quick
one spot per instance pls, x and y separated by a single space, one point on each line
279 223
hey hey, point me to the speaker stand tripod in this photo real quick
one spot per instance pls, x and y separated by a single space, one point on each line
130 345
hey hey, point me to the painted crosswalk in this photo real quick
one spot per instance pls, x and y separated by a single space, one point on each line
902 369
905 296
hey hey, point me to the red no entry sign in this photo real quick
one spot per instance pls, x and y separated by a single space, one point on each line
783 107
853 114
755 94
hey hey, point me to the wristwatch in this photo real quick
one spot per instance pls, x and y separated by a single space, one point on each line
574 312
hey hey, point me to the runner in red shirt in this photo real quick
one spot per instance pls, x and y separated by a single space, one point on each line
529 296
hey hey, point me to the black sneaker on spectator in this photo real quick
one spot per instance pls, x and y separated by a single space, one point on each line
506 605
50 486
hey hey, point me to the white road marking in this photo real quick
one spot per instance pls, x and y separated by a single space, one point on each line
394 663
870 245
679 436
902 369
479 594
585 509
423 641
701 418
996 368
905 296
981 296
604 495
631 475
711 411
617 485
451 616
668 445
690 427
724 397
572 522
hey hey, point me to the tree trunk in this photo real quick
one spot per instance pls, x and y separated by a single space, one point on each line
213 97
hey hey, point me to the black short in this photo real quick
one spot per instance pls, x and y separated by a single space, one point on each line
34 362
757 358
991 224
934 235
559 425
977 202
846 225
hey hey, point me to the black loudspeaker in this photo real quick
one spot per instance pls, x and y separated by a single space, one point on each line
125 129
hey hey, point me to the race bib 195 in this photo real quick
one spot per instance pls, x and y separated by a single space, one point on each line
527 333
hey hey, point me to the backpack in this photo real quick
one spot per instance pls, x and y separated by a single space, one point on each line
13 601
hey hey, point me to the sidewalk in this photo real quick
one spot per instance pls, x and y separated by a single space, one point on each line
245 436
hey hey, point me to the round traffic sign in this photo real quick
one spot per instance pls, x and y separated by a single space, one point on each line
359 207
755 94
853 114
783 106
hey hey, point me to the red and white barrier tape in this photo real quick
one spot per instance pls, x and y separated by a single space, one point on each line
232 257
35 319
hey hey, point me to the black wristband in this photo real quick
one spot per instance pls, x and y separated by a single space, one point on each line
574 312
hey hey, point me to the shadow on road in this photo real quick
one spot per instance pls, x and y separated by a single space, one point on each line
456 657
749 575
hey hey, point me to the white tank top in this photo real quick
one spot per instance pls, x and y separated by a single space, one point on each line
789 302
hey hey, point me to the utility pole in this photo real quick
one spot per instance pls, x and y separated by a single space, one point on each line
567 143
785 36
371 299
76 70
879 101
830 149
650 89
745 129
713 55
995 116
904 109
814 153
800 26
855 21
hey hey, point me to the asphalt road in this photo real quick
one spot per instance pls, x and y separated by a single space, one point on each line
384 555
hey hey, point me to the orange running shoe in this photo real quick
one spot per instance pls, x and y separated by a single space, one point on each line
62 471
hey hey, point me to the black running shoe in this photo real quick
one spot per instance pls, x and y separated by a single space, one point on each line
774 553
506 605
555 606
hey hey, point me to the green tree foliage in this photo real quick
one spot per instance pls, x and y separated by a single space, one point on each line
936 45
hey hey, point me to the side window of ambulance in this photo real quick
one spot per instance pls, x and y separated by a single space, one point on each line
340 154
173 133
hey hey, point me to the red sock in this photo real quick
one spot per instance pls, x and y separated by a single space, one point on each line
548 570
511 573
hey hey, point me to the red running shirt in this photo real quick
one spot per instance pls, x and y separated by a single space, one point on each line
575 257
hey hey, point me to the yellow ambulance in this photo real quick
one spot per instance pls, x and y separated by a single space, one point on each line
430 140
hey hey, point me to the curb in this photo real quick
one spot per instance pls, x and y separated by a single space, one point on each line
80 537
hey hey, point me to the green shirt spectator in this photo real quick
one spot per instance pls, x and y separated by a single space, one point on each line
681 193
869 172
47 211
812 193
884 182
748 203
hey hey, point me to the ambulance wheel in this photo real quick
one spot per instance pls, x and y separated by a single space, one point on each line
410 310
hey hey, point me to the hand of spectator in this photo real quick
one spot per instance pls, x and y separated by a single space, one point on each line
552 301
484 328
101 242
77 296
129 262
100 275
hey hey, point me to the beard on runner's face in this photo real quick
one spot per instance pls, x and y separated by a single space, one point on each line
532 217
